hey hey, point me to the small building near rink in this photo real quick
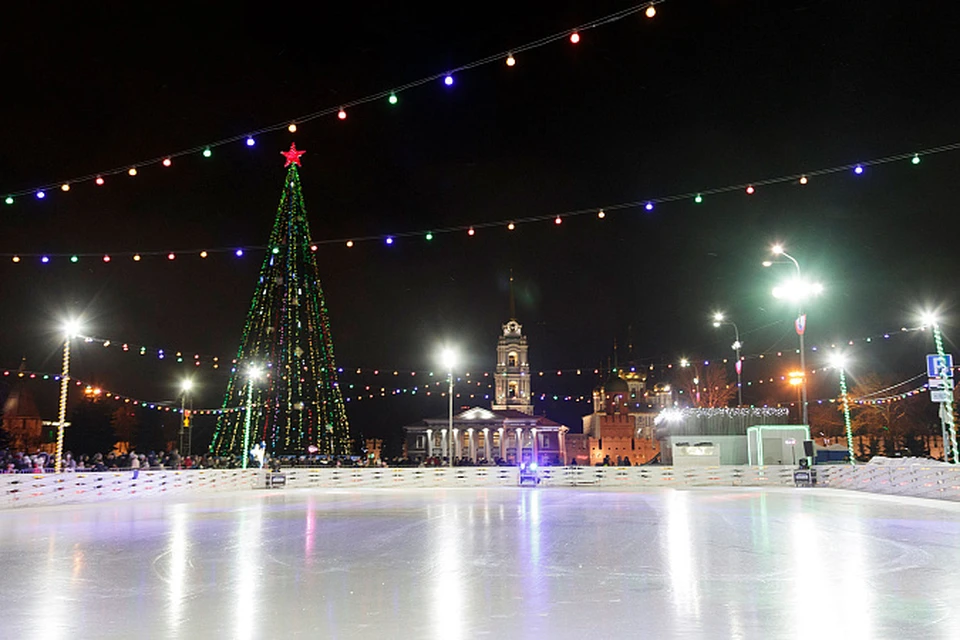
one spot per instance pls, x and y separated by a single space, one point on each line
484 436
738 436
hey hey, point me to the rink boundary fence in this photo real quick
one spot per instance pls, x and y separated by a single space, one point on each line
24 490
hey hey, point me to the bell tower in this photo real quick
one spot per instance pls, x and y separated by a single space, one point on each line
512 385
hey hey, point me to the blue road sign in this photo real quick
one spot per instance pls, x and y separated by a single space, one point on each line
937 364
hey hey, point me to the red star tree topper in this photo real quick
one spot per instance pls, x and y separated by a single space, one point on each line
292 156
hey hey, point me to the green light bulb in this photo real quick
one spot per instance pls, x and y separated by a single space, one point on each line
698 199
74 258
392 99
9 200
207 153
276 250
429 236
916 159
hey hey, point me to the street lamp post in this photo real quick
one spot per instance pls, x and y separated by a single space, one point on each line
70 329
799 290
253 373
185 386
839 363
947 424
449 358
718 320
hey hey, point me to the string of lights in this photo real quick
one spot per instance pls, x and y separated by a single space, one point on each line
391 239
181 356
507 57
93 391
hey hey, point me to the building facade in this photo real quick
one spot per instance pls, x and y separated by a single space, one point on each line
508 432
620 430
22 421
484 436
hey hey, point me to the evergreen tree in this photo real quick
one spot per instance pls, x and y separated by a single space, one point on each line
287 335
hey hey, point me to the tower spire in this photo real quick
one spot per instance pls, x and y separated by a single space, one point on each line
513 304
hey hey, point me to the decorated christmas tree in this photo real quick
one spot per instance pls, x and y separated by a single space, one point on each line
283 387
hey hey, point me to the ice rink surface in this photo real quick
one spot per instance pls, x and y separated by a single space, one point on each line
540 563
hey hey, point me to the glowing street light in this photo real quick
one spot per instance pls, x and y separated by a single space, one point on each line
448 357
185 386
70 329
719 320
797 291
253 374
947 422
838 361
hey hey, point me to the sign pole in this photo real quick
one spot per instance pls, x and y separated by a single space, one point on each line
945 374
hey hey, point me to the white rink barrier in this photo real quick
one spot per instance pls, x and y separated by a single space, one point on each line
22 490
941 482
722 476
25 489
549 477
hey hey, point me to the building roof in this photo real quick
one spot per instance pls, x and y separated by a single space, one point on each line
20 404
482 414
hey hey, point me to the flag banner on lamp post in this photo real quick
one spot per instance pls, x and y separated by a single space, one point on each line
801 324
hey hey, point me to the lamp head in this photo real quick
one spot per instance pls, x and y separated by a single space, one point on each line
448 357
684 362
797 289
838 360
254 372
717 318
767 263
71 328
186 384
929 318
777 249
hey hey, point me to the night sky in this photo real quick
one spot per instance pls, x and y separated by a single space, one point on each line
706 95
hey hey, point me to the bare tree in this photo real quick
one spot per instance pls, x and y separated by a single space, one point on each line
706 385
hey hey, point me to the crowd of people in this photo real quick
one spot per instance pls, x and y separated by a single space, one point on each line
42 462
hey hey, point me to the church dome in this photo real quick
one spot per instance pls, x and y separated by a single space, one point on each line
616 385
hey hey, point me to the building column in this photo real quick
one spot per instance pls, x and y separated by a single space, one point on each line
456 443
486 444
472 444
429 443
519 447
536 454
503 443
444 449
563 445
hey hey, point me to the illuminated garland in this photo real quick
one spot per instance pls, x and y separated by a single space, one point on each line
199 359
369 393
508 57
600 212
92 390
